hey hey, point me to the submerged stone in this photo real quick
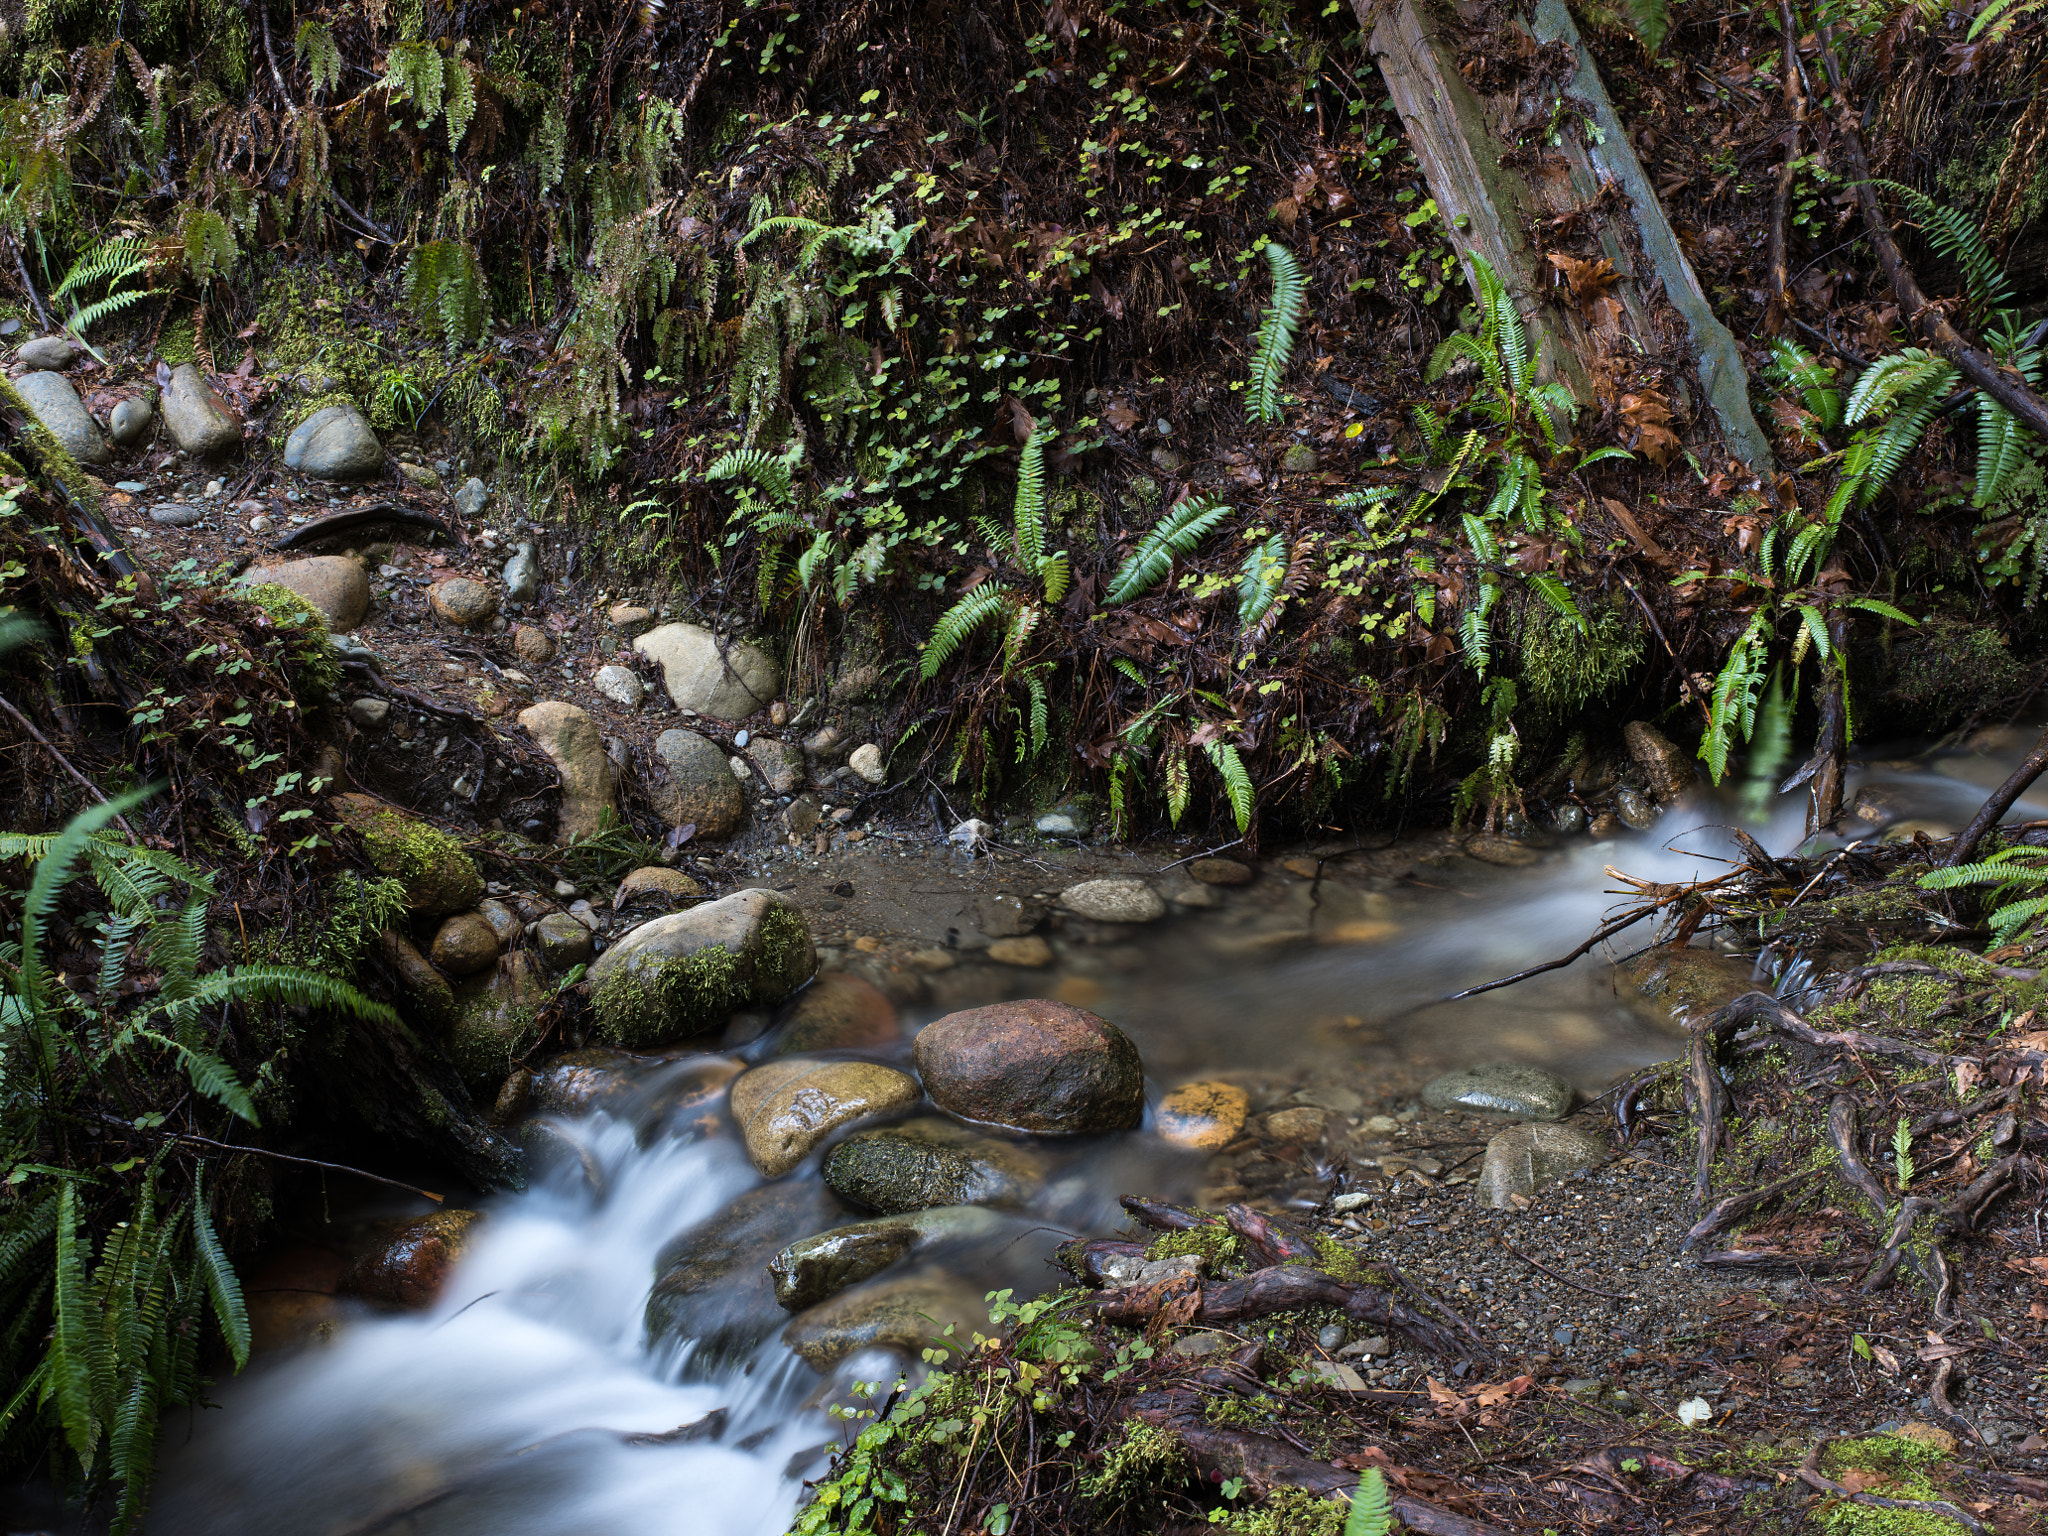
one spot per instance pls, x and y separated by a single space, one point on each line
930 1162
906 1314
1118 900
712 1284
837 1012
1203 1116
1502 1088
812 1269
410 1261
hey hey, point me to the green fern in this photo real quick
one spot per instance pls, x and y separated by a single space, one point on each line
1028 508
1650 20
1996 20
2019 877
111 262
1815 385
1237 781
1174 536
1959 239
1259 580
768 473
1273 348
1372 1511
981 606
445 286
317 50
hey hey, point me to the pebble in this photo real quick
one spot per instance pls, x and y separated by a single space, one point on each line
175 514
621 685
1117 900
1220 872
132 487
564 889
867 762
1030 952
370 714
1635 809
1204 1116
1504 1088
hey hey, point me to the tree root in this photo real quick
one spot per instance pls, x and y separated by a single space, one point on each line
1810 1474
1266 1464
1278 1288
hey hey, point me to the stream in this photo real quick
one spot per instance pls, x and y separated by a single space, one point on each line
511 1405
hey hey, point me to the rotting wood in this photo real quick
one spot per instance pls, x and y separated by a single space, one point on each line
1468 147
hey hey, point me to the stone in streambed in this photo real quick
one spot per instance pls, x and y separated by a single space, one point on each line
1202 1116
658 883
571 739
52 352
130 420
1031 952
1678 986
438 876
686 972
64 416
577 1082
904 1314
786 1108
430 1001
777 762
725 679
1524 1158
335 443
1220 872
203 423
701 788
837 1012
1118 900
1033 1065
332 585
1635 809
497 1018
712 1284
1667 767
928 1162
1502 1088
465 944
464 603
407 1266
812 1269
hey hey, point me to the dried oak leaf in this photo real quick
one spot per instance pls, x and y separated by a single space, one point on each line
1589 280
1647 414
1121 417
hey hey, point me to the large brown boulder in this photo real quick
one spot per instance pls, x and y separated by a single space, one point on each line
407 1267
1033 1065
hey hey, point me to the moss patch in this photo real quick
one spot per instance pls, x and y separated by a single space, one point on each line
489 1036
1289 1512
316 670
1212 1242
438 875
654 1000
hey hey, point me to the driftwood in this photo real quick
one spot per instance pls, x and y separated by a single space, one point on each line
355 518
1263 1292
2002 799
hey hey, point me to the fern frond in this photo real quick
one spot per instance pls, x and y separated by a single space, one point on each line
1173 768
223 1289
1989 871
1041 712
1999 17
1372 1510
207 1072
1559 597
1028 509
1815 385
1958 238
1023 620
979 607
1176 534
767 472
1258 580
74 1341
1237 781
1502 326
2001 451
1273 349
1055 575
1909 373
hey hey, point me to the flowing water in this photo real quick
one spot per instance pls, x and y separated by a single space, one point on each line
512 1406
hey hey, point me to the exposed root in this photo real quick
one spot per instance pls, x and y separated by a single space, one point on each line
1811 1475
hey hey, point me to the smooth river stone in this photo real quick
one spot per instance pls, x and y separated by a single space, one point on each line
811 1269
1120 900
1033 1065
1202 1116
786 1108
906 1314
929 1162
1502 1088
1524 1158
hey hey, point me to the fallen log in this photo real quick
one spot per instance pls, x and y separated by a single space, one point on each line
1278 1288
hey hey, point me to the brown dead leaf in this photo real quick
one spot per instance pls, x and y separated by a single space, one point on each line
1121 417
1491 1395
1588 280
1287 210
1886 1360
1856 1480
2038 1311
2035 1268
1634 530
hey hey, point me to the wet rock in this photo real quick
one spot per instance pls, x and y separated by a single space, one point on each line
522 575
867 762
701 788
496 1019
554 1156
1220 872
1123 1271
800 817
825 742
1491 848
419 476
572 741
464 944
656 882
369 714
59 409
1030 951
780 764
176 514
1073 818
725 679
438 876
1678 986
471 497
1299 459
1568 819
564 943
1203 1116
430 1000
686 972
812 1269
929 1162
464 603
1118 900
905 1315
1502 1088
686 1100
1033 1065
1524 1158
203 423
629 619
712 1282
407 1266
334 586
533 646
576 1083
786 1108
54 352
837 1012
1666 767
336 443
1634 809
505 923
131 420
1301 1127
621 685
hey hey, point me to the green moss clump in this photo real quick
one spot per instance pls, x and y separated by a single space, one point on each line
489 1036
652 1000
1141 1458
1289 1512
785 960
1212 1242
357 911
1337 1261
438 875
1907 1462
1563 670
316 672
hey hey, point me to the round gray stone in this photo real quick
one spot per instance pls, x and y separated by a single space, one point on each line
1524 1158
1118 900
131 420
59 409
176 514
563 941
47 352
1502 1088
336 442
203 423
621 685
725 679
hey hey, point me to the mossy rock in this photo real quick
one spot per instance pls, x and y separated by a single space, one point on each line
438 876
316 671
498 1023
687 972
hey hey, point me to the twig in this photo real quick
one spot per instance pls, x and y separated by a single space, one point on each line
1993 810
28 287
1607 932
1211 853
62 761
310 1162
1777 262
1577 1285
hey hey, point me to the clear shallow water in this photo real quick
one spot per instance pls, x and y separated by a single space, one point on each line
507 1409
